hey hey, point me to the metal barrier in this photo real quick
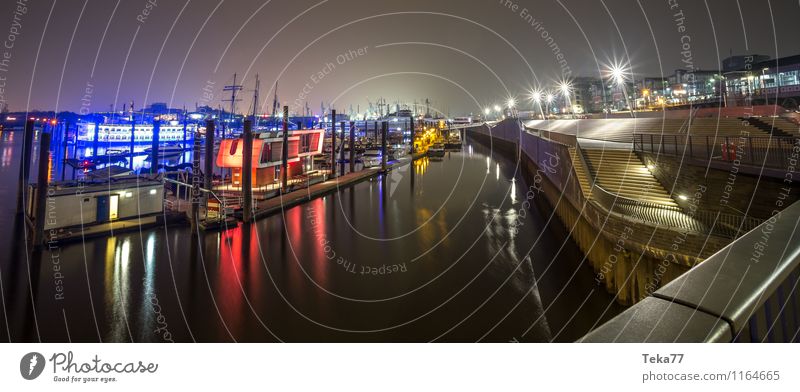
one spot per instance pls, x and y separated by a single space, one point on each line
183 201
746 292
770 152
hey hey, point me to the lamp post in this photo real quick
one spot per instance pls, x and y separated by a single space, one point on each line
511 103
617 73
549 101
566 90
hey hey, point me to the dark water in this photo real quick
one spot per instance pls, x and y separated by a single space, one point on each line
425 253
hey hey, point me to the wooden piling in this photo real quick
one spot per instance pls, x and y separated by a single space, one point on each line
341 152
285 151
352 146
41 189
247 173
208 172
65 145
412 129
96 140
25 165
384 152
133 135
333 144
154 147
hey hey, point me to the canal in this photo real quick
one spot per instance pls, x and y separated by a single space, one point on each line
436 251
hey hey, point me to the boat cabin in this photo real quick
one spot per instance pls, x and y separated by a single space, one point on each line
304 145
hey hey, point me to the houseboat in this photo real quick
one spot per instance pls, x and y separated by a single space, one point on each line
121 133
436 151
373 157
73 206
304 145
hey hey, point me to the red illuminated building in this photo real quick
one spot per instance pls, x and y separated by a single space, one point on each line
267 155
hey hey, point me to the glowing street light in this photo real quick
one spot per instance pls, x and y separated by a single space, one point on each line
617 73
497 108
487 111
549 99
566 89
536 97
511 103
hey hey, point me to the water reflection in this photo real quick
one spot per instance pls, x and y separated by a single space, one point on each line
117 293
322 271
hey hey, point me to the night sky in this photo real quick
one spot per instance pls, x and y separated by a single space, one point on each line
462 54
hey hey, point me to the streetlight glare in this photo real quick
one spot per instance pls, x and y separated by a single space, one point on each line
487 111
497 108
511 103
617 72
565 88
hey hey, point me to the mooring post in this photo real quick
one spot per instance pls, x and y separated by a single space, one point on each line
208 172
341 151
333 143
196 193
384 152
154 146
65 144
352 146
96 140
133 135
41 189
285 151
185 125
411 128
247 172
25 168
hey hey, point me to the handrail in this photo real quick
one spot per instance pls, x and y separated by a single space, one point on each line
222 204
761 151
741 293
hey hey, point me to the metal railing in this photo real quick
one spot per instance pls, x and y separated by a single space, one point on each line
183 201
769 152
746 292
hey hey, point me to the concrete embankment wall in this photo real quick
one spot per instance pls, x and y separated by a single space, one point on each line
631 259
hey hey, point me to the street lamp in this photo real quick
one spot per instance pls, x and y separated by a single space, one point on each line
549 99
511 103
617 74
536 97
566 89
